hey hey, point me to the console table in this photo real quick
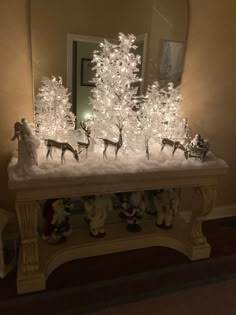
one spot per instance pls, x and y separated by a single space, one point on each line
37 259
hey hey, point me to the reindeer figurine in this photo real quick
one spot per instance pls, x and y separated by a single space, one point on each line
63 146
109 143
84 145
174 144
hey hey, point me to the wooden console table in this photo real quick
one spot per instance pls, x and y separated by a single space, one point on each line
37 259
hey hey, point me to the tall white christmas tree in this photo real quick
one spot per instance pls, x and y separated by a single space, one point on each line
114 96
53 116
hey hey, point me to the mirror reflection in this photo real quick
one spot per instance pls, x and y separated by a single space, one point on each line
81 69
66 32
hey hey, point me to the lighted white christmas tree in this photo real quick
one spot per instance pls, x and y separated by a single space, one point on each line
160 115
163 112
150 115
114 96
173 123
53 116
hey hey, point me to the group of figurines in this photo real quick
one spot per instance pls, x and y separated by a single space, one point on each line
28 144
131 207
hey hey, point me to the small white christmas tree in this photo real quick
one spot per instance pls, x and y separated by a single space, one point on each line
160 115
114 96
53 116
150 115
173 123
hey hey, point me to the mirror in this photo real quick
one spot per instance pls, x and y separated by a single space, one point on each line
80 69
65 32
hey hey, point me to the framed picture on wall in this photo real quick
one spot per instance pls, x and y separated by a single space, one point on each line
171 60
87 73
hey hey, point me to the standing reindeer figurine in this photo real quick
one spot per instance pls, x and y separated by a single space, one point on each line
109 143
63 146
84 145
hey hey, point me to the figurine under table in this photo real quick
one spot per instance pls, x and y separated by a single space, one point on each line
133 207
57 226
167 205
96 210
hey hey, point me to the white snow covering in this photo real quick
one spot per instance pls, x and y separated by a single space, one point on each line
95 165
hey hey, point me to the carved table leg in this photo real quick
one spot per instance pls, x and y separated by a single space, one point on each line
208 194
28 269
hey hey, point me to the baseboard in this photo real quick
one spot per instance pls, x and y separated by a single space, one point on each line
217 213
222 212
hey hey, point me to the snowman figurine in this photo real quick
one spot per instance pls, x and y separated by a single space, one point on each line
167 201
96 213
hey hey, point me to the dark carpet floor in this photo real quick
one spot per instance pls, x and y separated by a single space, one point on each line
92 283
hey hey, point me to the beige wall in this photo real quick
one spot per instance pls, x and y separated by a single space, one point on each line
16 81
160 19
104 18
209 85
168 21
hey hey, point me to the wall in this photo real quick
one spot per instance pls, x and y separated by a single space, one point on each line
208 85
169 21
102 18
16 82
161 19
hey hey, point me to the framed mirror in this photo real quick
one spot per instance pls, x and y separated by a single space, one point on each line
65 33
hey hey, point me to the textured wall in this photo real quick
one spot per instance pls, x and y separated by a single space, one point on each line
209 85
104 18
160 19
16 81
169 21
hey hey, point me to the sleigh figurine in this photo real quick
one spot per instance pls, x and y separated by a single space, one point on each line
197 148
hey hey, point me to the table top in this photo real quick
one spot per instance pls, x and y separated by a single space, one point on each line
95 175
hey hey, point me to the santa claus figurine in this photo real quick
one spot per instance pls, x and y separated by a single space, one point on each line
133 207
57 226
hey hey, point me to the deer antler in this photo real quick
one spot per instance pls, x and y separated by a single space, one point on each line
86 128
87 132
119 125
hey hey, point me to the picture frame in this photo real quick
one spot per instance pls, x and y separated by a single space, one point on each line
171 60
87 73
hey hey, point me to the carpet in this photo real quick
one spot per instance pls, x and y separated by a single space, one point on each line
102 297
211 299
